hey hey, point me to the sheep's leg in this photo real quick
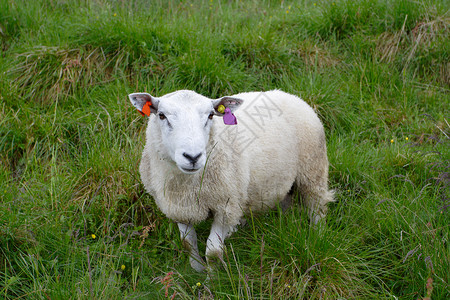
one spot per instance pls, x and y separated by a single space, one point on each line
316 201
189 240
216 240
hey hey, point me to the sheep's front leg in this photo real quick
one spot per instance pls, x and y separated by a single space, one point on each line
189 240
216 240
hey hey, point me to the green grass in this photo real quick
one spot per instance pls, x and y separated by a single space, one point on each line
70 143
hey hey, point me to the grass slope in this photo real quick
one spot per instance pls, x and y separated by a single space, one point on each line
75 221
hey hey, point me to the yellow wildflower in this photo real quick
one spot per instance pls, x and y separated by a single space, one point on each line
93 236
122 267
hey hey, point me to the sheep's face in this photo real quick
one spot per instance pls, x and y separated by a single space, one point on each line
185 123
184 119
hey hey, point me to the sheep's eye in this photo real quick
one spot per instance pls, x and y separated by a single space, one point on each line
162 116
211 115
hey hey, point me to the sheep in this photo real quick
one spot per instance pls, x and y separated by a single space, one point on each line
195 166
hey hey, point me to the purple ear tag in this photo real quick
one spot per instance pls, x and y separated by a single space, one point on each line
229 118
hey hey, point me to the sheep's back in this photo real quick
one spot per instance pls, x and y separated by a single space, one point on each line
276 132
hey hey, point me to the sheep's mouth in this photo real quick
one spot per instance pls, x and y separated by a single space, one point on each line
190 171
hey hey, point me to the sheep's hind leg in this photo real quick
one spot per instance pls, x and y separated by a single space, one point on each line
189 240
316 201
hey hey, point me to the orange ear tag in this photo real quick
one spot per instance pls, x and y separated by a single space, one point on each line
146 108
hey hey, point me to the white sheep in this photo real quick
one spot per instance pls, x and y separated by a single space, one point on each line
196 166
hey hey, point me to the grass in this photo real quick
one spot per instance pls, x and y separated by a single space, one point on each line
75 221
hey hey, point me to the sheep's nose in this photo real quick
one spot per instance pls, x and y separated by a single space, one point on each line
191 158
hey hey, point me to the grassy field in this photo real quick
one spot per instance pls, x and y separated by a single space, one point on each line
75 221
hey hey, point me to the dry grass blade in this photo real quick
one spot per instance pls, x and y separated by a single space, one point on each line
422 36
49 73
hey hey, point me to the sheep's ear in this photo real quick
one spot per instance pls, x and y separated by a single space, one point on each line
228 102
144 103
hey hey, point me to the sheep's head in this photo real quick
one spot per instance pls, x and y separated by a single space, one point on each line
184 120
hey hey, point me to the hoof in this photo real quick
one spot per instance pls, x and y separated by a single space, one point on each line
214 258
197 265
